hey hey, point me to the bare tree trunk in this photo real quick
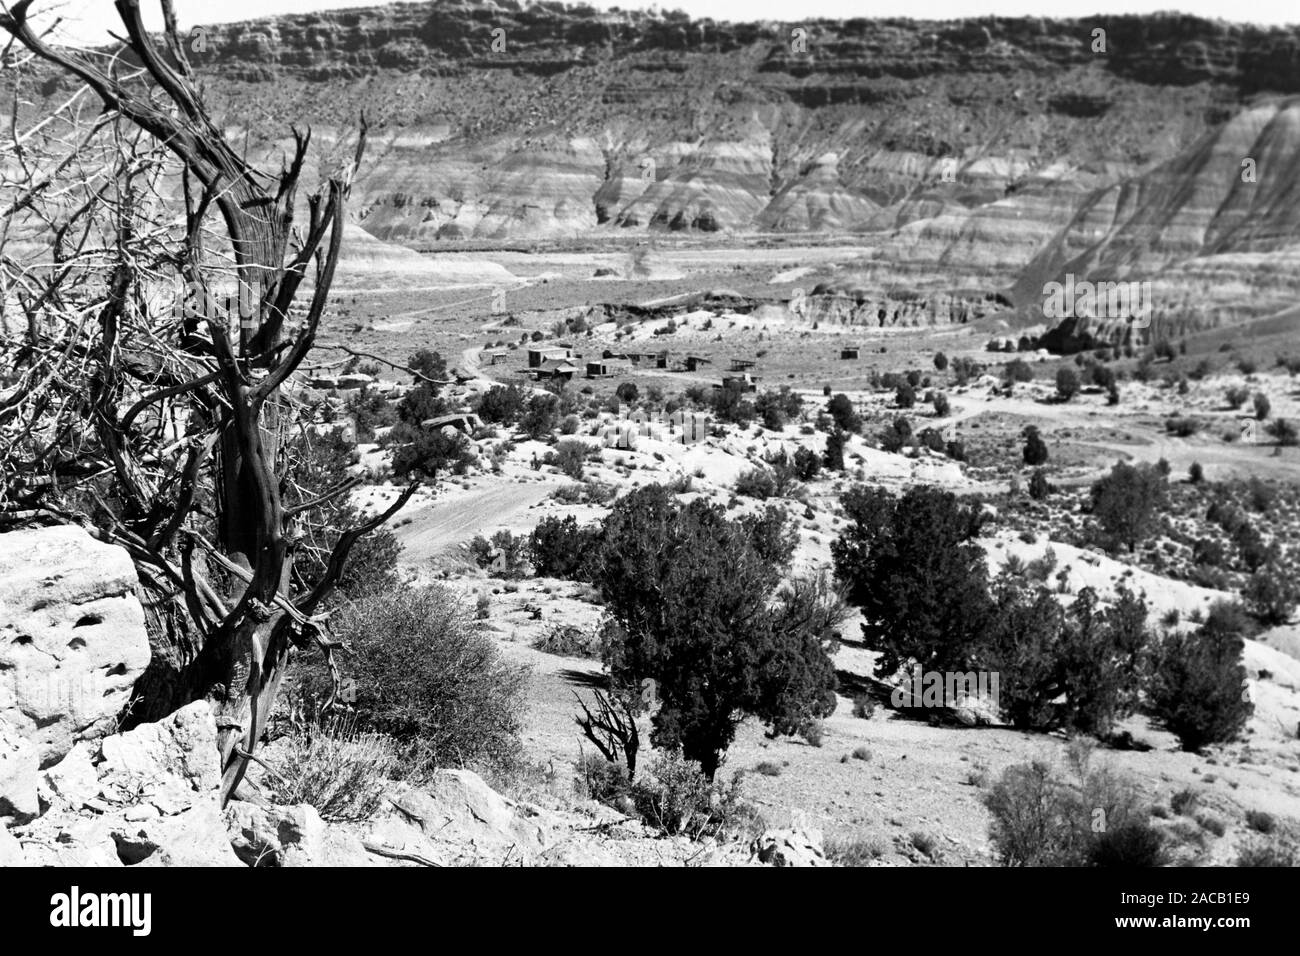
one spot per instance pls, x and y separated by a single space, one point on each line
235 402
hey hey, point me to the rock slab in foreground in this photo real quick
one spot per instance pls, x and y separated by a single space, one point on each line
72 637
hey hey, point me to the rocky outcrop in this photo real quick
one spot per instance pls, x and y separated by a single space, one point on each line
1216 231
72 638
816 201
799 846
147 797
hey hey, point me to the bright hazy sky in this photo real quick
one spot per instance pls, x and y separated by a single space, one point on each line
89 19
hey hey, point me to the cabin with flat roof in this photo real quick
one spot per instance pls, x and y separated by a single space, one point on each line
549 353
608 366
742 365
849 352
693 362
744 382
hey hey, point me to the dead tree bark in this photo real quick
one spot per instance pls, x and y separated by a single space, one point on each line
233 394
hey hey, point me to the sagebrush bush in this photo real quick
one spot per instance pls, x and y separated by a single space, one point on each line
341 774
1266 853
427 675
602 780
756 483
674 797
1082 816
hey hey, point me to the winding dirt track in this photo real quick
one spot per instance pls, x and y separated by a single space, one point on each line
456 517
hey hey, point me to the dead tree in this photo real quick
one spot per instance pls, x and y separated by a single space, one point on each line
97 345
612 729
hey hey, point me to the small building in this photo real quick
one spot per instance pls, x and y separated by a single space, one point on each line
742 365
849 352
693 362
495 356
608 366
549 353
744 382
561 369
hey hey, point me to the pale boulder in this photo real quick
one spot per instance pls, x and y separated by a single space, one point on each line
72 636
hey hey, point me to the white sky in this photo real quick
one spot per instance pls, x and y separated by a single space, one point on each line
88 20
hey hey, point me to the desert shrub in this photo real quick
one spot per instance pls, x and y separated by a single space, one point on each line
430 451
854 850
696 608
775 408
604 781
905 396
1283 432
896 435
1272 593
842 412
561 548
427 363
864 705
833 458
1087 816
931 439
756 483
941 405
1035 451
1067 383
964 369
501 404
1253 550
1196 685
341 773
569 456
1018 370
924 843
1266 853
674 797
940 361
912 567
1195 473
1039 486
540 416
1089 660
370 410
426 675
504 554
813 732
1262 406
768 768
567 640
1236 395
1182 426
1184 801
1126 501
731 404
772 534
420 404
1209 552
807 464
1260 822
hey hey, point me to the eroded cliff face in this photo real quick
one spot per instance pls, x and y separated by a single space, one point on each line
1215 231
497 120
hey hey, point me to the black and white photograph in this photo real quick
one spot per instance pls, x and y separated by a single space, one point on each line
505 434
